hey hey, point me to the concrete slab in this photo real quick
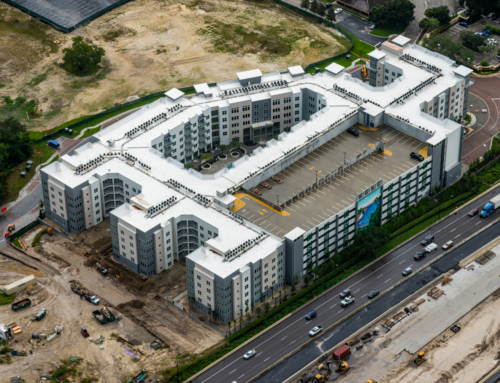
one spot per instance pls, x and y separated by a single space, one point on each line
467 290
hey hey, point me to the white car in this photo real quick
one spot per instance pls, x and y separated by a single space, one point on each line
316 330
478 34
491 41
95 300
249 354
347 301
338 10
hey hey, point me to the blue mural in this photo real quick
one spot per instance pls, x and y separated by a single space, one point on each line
370 209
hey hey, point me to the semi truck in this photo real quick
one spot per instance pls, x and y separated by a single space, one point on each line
491 206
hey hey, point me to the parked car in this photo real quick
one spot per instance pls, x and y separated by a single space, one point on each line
498 57
249 354
347 301
311 315
352 131
95 300
84 332
463 24
447 245
416 156
428 239
328 5
316 330
338 10
473 212
407 271
372 27
491 15
497 21
491 41
420 255
478 34
345 293
372 294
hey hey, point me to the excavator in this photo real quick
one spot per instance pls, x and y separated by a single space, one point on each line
342 367
415 362
320 378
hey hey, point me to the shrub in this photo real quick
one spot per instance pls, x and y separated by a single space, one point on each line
484 63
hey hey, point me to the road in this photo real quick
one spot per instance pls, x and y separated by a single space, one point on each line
352 24
292 332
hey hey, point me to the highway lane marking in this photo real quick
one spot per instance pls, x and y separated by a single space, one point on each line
258 355
239 377
402 261
380 276
387 280
333 306
453 230
292 342
210 377
341 311
364 295
232 371
267 359
457 236
324 303
356 291
478 223
283 338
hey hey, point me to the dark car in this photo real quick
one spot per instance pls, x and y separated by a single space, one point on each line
345 293
473 212
84 332
463 24
352 131
428 239
420 255
373 294
328 5
311 315
416 156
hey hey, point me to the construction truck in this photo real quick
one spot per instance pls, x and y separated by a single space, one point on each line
21 304
418 360
370 381
491 206
342 367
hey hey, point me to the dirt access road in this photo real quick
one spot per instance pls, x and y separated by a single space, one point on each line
152 46
62 261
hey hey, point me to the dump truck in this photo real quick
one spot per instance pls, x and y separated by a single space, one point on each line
103 315
341 353
21 304
491 206
418 360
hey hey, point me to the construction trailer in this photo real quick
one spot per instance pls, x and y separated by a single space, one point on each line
19 285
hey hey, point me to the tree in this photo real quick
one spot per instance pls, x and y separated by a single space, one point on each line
307 279
394 14
83 56
222 148
481 50
433 24
304 4
448 48
314 7
309 267
210 314
249 318
442 14
488 49
241 321
190 165
229 322
204 157
471 40
258 311
484 63
321 10
267 306
294 289
330 15
235 144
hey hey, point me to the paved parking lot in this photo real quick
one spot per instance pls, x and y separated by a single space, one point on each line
454 33
334 196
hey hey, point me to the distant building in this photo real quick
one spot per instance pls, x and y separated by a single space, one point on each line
362 6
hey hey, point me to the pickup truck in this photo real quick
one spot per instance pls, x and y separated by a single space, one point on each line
95 300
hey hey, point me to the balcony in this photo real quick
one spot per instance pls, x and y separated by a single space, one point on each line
107 183
181 225
186 231
118 182
193 224
109 197
118 189
108 190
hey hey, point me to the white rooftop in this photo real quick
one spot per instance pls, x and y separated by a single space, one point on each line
463 71
401 40
296 70
249 74
376 54
174 94
334 68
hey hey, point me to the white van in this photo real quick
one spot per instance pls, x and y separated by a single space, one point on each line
431 248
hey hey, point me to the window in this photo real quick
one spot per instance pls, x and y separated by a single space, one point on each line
208 283
255 107
234 110
297 98
255 113
198 277
224 112
276 102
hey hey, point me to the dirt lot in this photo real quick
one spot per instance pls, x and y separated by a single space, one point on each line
153 45
63 263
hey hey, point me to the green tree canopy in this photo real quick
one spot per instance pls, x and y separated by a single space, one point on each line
394 14
84 56
331 14
442 14
449 48
471 40
424 23
433 23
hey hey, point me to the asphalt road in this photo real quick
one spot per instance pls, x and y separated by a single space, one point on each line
291 333
495 378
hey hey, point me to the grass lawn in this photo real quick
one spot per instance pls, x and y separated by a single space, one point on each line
16 243
6 299
382 32
91 132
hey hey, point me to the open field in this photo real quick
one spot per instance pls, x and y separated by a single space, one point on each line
151 45
144 318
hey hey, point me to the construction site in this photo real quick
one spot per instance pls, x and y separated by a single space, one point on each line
447 332
81 306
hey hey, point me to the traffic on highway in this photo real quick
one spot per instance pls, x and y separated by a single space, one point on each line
287 336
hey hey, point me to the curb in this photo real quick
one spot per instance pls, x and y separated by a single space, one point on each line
495 370
343 281
471 258
329 328
363 329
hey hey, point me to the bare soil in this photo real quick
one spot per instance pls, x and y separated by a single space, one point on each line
144 319
154 45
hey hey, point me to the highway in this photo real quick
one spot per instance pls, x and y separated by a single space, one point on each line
292 332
